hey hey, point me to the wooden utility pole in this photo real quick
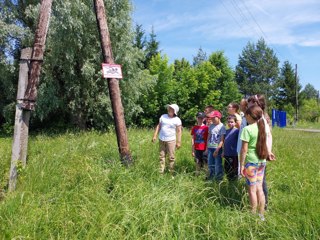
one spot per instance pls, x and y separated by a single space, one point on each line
113 83
318 98
31 93
27 91
297 92
21 125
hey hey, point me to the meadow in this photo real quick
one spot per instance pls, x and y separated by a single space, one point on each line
74 187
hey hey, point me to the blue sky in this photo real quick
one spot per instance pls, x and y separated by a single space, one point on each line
290 27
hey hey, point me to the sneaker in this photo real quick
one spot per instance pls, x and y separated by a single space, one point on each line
261 217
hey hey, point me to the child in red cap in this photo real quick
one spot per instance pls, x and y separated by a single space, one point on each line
217 132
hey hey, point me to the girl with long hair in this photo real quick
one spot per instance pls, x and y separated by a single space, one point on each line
254 153
260 100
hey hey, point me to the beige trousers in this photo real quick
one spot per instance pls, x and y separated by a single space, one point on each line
167 148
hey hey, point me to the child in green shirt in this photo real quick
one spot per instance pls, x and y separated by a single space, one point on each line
253 156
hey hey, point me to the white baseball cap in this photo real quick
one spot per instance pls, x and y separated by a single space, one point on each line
175 107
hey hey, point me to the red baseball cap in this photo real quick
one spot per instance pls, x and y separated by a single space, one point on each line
215 114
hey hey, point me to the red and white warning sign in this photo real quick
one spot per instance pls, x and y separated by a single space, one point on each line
111 70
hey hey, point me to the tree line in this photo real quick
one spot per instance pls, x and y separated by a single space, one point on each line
73 92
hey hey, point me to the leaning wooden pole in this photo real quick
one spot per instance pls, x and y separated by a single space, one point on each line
37 55
297 91
113 84
27 91
21 124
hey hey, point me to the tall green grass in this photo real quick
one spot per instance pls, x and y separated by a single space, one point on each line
75 188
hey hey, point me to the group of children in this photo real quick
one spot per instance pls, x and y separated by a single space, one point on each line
245 145
221 142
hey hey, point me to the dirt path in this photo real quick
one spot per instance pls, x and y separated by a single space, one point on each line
304 130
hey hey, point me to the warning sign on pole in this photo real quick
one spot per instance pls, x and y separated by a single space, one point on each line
111 70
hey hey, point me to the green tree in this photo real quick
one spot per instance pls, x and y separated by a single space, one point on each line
226 83
152 47
11 35
200 57
192 88
71 87
153 100
206 92
139 40
185 85
310 110
286 87
257 69
309 92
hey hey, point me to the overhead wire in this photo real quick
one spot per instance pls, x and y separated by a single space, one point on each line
258 25
237 22
243 20
254 19
243 16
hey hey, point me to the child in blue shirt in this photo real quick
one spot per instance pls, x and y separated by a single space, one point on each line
230 154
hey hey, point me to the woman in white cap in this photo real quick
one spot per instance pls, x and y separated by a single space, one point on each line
169 129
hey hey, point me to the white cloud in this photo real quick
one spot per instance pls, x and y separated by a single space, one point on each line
279 22
311 43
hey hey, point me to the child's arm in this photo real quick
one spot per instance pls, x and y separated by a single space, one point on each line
216 152
243 154
208 138
156 131
222 139
192 141
192 146
179 131
271 156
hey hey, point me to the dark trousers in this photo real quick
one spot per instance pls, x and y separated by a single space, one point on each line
231 167
199 157
265 187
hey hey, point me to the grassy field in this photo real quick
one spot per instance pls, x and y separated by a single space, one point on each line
75 188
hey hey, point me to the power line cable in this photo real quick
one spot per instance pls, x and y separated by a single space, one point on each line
244 20
254 19
243 16
260 28
237 22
